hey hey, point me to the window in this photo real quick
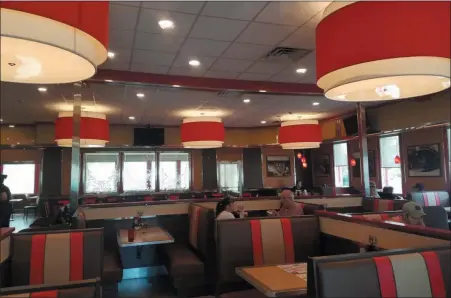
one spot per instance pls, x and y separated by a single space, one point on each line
390 170
101 172
341 165
139 172
21 177
174 171
229 176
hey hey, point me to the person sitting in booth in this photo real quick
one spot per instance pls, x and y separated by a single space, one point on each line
418 187
413 214
373 190
226 209
288 207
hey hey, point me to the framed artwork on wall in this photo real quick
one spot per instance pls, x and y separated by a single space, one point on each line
424 161
322 166
371 165
278 166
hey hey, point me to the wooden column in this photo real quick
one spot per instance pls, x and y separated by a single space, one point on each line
75 160
363 148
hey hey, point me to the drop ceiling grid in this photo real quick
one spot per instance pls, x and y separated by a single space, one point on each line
151 50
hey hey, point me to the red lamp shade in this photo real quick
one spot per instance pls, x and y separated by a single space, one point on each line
202 132
300 134
303 160
411 61
353 162
304 164
397 159
299 155
52 42
94 129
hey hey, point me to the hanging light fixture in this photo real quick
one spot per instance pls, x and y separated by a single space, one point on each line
303 160
202 132
353 162
300 134
52 42
299 155
397 159
383 50
94 129
304 165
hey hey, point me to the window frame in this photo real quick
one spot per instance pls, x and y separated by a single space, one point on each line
382 169
37 175
84 174
122 167
240 174
341 166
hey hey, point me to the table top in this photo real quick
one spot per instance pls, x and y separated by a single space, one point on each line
145 236
273 281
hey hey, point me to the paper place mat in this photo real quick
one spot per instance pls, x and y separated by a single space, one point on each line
298 269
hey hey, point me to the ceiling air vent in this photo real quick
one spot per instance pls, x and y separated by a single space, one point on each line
283 53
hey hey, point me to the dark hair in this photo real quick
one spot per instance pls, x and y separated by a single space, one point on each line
222 205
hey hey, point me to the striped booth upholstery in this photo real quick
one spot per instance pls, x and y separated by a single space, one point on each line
387 274
201 229
392 216
430 198
83 289
264 241
55 257
381 205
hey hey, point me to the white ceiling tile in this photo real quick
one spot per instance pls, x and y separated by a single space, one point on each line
247 51
239 10
120 61
182 61
294 13
187 71
254 76
127 3
115 65
217 28
303 38
266 68
148 22
141 67
158 42
192 7
121 39
204 47
221 74
265 34
123 17
234 65
153 58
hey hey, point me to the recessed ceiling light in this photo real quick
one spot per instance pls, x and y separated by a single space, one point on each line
140 95
263 122
42 89
194 63
176 86
301 70
166 24
109 81
246 100
111 55
131 118
263 91
315 103
11 126
1 120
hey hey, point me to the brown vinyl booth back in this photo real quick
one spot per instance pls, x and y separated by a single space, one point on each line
39 258
264 241
201 232
430 198
392 273
380 216
381 205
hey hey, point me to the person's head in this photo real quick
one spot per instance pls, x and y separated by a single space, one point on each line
299 183
388 189
418 187
224 205
287 196
413 213
2 178
373 189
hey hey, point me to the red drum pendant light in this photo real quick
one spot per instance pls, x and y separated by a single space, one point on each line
300 134
383 50
202 132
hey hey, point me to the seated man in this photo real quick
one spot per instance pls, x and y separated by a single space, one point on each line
288 207
413 214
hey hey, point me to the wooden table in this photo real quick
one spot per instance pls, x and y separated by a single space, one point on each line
273 281
145 236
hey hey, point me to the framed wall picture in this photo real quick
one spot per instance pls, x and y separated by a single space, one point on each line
424 161
278 166
371 165
322 166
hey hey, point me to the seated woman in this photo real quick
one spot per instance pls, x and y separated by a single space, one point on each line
226 208
288 207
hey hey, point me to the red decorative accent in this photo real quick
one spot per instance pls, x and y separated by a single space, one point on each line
37 259
303 160
302 133
386 277
397 159
353 162
422 29
90 128
299 155
437 199
202 131
425 199
89 16
435 274
304 165
288 240
257 245
76 256
173 197
45 294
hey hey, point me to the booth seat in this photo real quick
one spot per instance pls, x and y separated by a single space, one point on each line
379 216
390 273
55 259
381 205
430 198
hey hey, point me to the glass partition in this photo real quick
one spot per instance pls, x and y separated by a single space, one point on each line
391 173
341 166
174 171
101 172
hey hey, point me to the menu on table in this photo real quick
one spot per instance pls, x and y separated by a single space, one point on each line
298 269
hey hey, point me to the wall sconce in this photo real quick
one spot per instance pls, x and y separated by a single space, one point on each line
299 155
304 165
353 162
397 159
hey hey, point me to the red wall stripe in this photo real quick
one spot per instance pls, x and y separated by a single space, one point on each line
45 294
437 199
391 205
384 216
435 274
288 240
257 246
386 277
425 199
375 205
76 256
37 259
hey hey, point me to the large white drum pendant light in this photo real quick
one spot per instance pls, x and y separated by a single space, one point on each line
383 50
52 42
300 134
202 132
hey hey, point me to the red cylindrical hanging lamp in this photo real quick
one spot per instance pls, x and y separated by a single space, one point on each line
94 129
202 132
353 162
52 42
300 134
397 159
361 57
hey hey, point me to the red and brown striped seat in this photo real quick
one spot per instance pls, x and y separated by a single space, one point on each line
387 274
83 289
430 198
382 216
